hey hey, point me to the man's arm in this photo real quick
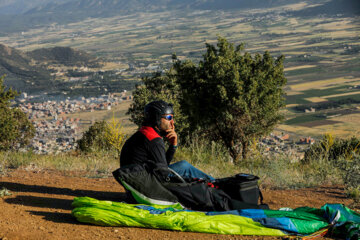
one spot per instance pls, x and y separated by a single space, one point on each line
160 167
171 136
170 153
157 149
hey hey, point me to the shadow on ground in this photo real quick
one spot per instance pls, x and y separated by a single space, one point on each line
54 205
57 217
111 196
335 192
41 202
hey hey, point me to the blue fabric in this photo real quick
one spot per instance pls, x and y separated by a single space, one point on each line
283 223
186 170
259 215
250 213
154 210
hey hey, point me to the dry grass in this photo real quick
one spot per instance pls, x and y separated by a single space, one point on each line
344 34
291 105
336 25
350 118
347 125
342 94
316 99
323 83
299 130
112 65
299 67
290 93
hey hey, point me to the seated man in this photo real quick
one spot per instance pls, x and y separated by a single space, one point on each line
147 146
145 174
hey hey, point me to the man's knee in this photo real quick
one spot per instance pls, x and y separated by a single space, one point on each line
183 164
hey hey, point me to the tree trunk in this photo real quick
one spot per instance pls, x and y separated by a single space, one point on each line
245 149
236 154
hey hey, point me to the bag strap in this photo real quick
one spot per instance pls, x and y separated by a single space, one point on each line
261 197
177 175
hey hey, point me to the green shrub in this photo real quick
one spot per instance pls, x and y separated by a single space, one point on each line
354 193
102 136
94 138
332 149
337 155
115 135
20 159
3 166
351 175
16 130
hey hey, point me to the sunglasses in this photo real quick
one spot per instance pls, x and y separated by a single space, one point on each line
168 117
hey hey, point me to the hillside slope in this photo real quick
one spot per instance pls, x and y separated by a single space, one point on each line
30 72
64 55
21 70
334 7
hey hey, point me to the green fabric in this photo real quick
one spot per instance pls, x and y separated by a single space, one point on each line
306 220
107 213
140 198
346 221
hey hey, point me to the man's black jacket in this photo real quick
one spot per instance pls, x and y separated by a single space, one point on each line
146 146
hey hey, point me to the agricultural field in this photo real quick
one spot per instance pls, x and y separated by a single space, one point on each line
322 53
117 114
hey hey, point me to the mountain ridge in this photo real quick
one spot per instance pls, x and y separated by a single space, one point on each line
43 12
29 70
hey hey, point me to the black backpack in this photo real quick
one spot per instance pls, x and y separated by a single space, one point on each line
242 187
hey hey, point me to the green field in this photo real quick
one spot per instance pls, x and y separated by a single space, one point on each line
304 119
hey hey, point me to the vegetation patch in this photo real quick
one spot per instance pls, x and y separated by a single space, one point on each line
305 97
304 119
299 67
343 94
4 192
355 98
322 83
318 123
327 105
316 99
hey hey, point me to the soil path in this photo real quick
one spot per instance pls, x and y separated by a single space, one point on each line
40 207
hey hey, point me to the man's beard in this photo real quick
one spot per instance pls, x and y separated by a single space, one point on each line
163 133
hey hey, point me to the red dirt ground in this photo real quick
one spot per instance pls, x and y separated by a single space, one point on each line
40 207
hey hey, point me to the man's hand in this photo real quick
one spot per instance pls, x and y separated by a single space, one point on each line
171 135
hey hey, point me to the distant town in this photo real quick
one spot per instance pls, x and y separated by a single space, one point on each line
56 133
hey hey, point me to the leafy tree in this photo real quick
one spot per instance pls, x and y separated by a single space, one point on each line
231 96
235 95
15 129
